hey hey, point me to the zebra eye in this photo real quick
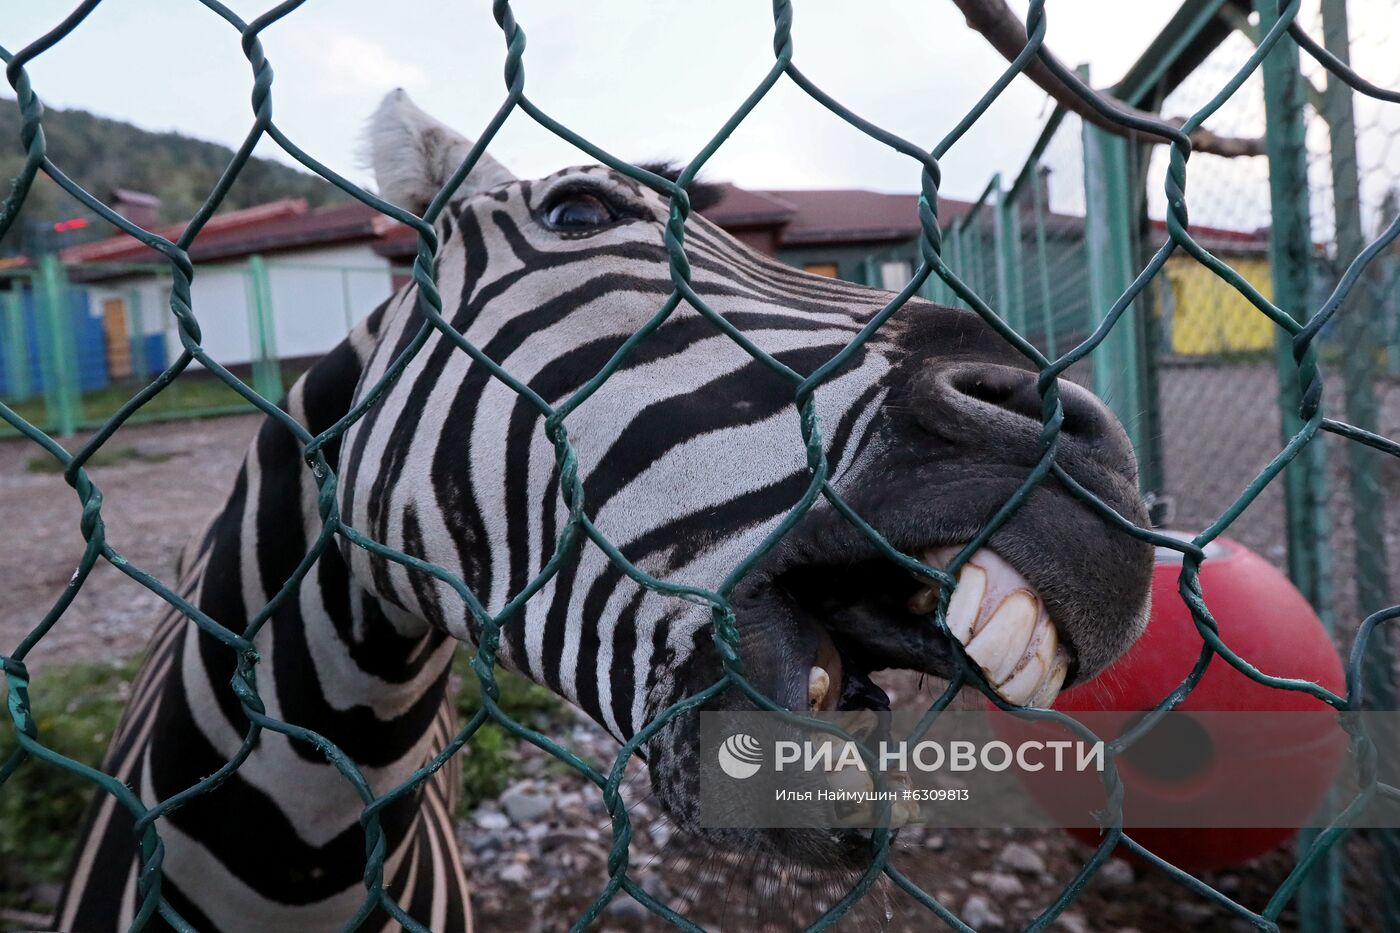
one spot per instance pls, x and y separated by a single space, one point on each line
574 211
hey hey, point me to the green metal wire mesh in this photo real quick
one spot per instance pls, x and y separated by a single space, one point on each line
1301 329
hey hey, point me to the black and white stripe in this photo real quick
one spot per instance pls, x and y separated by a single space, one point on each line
690 453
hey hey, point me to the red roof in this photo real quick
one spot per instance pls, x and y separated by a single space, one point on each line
827 215
770 219
263 228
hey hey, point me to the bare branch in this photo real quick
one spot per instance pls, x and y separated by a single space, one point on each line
1006 33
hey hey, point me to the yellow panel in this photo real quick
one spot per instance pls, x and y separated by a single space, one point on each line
1209 316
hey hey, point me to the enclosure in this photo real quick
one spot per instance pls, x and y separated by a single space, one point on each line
1210 245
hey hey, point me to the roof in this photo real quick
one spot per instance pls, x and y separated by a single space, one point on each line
796 218
264 228
809 216
128 196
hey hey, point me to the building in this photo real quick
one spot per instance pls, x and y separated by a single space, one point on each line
277 280
873 238
283 283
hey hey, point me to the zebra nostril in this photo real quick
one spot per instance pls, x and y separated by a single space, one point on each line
1011 389
977 396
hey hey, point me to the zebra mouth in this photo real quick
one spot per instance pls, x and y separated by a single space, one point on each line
872 615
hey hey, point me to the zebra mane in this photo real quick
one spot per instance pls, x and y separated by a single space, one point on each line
703 194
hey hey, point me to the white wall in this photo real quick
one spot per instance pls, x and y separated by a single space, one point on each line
317 296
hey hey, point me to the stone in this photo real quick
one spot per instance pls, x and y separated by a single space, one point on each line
515 873
998 884
1116 874
977 913
1072 922
524 806
491 820
623 909
1021 858
1193 913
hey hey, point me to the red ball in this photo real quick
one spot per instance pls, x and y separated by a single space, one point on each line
1268 623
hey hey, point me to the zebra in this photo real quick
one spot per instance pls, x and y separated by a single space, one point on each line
690 454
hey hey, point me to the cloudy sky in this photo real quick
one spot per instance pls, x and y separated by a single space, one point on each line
645 79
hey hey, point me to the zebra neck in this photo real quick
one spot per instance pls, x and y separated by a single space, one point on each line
334 659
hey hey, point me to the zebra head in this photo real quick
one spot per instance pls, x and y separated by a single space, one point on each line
691 452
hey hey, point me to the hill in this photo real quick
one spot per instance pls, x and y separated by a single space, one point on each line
102 154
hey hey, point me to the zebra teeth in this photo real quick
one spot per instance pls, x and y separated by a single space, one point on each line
1003 626
818 686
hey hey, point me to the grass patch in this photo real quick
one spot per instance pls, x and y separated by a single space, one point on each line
104 457
41 806
77 707
488 761
192 394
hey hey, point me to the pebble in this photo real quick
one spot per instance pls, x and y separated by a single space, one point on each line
1021 858
523 805
998 884
492 820
623 909
1192 912
1072 922
977 913
1116 873
515 873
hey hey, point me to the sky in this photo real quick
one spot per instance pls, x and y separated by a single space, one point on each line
645 79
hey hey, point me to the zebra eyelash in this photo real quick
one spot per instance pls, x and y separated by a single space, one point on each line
623 210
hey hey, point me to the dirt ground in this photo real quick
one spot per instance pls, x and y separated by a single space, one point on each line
1219 427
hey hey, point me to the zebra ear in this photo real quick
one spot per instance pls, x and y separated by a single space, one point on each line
413 155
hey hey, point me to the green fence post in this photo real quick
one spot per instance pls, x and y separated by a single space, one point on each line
954 258
17 388
1357 327
59 353
1108 237
1042 261
266 366
1008 253
1290 253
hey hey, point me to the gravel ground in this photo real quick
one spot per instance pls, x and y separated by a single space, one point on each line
539 855
154 501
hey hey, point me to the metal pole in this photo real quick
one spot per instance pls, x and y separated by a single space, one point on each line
1008 254
266 366
18 387
1290 253
60 382
1357 326
955 254
1042 260
1109 239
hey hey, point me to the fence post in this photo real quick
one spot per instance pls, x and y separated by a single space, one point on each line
1358 330
266 366
59 354
1108 236
17 387
1290 253
1042 262
1008 253
954 258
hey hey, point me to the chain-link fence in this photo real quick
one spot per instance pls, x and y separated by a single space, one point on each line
1300 322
